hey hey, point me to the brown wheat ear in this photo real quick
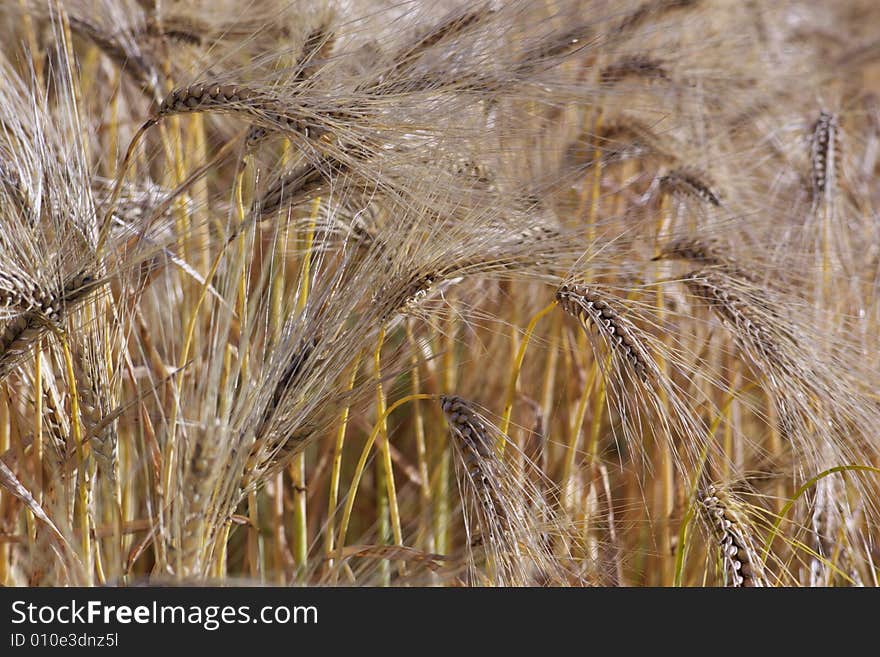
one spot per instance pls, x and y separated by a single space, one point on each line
235 99
633 66
205 97
651 10
689 182
742 566
706 252
137 67
475 443
825 154
590 308
188 34
467 427
454 25
742 312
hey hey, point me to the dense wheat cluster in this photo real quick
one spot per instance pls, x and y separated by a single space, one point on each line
356 292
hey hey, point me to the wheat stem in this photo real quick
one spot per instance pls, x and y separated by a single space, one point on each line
362 463
333 497
83 492
517 366
421 444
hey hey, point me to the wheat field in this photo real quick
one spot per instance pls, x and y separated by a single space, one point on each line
494 293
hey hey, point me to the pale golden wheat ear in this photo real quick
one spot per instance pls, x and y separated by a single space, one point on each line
244 245
53 268
57 297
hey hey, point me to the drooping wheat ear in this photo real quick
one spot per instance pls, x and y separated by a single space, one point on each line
649 11
587 305
16 292
633 66
296 186
825 154
469 430
286 382
453 25
235 99
516 520
316 49
701 251
208 97
49 308
403 295
188 32
707 252
272 442
690 182
743 313
474 444
725 517
125 58
621 138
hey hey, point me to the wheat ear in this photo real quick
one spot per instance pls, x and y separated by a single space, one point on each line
742 566
590 308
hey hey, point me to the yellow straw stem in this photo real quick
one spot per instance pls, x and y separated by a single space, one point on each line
517 366
362 463
81 452
298 466
421 444
393 507
305 275
333 499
